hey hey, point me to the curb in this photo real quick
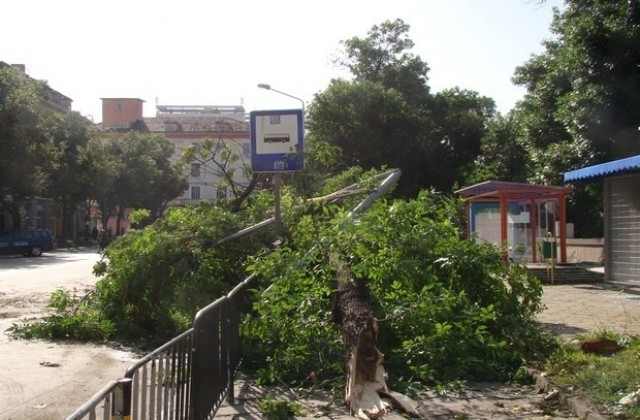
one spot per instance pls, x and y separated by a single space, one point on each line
577 405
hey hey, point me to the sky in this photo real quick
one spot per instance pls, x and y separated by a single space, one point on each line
213 52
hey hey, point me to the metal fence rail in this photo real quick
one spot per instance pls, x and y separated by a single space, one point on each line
99 403
161 380
187 377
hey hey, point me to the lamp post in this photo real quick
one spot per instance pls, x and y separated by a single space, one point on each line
276 176
267 86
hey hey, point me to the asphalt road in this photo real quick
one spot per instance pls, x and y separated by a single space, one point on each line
45 274
41 379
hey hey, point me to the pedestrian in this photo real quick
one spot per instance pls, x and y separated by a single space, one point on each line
102 240
94 233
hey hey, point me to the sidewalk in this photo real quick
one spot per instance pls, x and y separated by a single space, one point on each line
569 310
582 308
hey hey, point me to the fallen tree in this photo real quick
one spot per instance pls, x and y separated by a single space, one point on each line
452 310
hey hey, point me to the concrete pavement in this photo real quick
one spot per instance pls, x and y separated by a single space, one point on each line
583 308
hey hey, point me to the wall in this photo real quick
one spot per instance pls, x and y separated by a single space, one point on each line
585 250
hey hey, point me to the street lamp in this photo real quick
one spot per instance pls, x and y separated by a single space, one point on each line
267 86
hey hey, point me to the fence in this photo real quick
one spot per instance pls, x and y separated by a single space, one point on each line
186 378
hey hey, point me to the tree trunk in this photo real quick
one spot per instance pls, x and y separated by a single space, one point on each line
14 211
365 375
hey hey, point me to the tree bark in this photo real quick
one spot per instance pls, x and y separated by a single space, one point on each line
365 375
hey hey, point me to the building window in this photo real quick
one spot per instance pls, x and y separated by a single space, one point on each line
119 107
221 193
123 125
195 170
195 193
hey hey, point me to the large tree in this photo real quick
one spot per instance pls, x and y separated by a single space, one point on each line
23 145
69 173
582 104
386 116
372 127
585 85
105 168
145 177
461 116
383 57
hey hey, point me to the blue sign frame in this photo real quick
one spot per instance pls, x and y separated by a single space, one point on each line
277 140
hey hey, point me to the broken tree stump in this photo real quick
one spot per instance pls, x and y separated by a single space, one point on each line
365 375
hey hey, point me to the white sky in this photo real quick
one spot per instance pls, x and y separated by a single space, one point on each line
214 52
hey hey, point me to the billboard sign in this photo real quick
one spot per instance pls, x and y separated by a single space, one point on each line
277 140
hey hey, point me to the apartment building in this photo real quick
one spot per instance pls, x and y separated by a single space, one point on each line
185 126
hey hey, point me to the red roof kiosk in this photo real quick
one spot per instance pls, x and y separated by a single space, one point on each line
522 218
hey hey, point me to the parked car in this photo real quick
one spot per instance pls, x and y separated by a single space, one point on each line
26 242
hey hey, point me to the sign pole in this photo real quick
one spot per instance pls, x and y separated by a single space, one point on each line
276 202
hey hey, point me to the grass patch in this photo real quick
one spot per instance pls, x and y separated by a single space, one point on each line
278 409
602 379
67 322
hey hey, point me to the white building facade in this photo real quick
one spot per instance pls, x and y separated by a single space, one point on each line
223 128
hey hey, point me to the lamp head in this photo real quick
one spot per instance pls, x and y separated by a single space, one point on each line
264 86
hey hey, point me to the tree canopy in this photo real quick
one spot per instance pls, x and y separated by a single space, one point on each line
68 172
24 149
386 115
59 155
584 86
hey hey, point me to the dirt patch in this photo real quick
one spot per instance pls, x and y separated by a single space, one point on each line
475 401
44 380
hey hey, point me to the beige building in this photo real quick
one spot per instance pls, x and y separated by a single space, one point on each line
191 125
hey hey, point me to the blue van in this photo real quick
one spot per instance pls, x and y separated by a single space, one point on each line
28 242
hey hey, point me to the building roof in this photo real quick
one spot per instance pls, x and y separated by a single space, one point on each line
193 123
184 124
495 190
616 167
52 99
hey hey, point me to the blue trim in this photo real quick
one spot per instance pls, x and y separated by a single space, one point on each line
609 168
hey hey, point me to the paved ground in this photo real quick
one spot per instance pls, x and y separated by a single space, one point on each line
569 310
581 308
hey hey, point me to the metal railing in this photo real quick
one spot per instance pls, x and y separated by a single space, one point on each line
187 377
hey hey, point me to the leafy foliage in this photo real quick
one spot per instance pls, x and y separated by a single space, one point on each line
24 150
448 309
57 155
581 105
74 318
386 116
157 278
68 172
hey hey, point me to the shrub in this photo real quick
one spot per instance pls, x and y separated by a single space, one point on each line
448 309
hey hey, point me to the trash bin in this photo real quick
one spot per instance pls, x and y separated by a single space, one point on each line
550 248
